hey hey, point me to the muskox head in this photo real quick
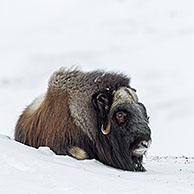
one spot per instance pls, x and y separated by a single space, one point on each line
122 127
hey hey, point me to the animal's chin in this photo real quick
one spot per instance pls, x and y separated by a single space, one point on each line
137 164
138 151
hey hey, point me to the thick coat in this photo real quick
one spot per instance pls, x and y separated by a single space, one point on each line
88 115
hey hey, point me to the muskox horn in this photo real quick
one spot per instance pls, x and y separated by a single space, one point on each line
106 130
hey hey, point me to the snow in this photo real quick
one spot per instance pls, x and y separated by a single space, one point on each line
151 41
29 170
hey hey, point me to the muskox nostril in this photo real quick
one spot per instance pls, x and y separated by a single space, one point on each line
144 144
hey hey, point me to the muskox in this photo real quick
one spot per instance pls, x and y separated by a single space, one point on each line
89 115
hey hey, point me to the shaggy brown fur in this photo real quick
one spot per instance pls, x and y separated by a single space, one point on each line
50 125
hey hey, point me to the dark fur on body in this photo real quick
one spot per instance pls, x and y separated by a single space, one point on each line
70 116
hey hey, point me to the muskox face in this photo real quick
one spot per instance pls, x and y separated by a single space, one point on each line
122 127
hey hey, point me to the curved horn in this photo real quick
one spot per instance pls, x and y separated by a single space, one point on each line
106 131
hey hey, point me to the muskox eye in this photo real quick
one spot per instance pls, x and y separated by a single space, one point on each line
121 117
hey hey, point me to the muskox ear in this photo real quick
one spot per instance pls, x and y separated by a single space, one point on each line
102 103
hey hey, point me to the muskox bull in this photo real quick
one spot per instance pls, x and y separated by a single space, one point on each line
88 115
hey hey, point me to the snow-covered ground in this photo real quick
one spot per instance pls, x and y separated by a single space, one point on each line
28 170
150 40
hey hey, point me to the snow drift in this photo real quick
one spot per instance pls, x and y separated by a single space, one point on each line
28 170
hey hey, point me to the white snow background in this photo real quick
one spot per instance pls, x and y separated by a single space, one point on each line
150 40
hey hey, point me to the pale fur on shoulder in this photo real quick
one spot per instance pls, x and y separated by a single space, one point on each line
36 103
